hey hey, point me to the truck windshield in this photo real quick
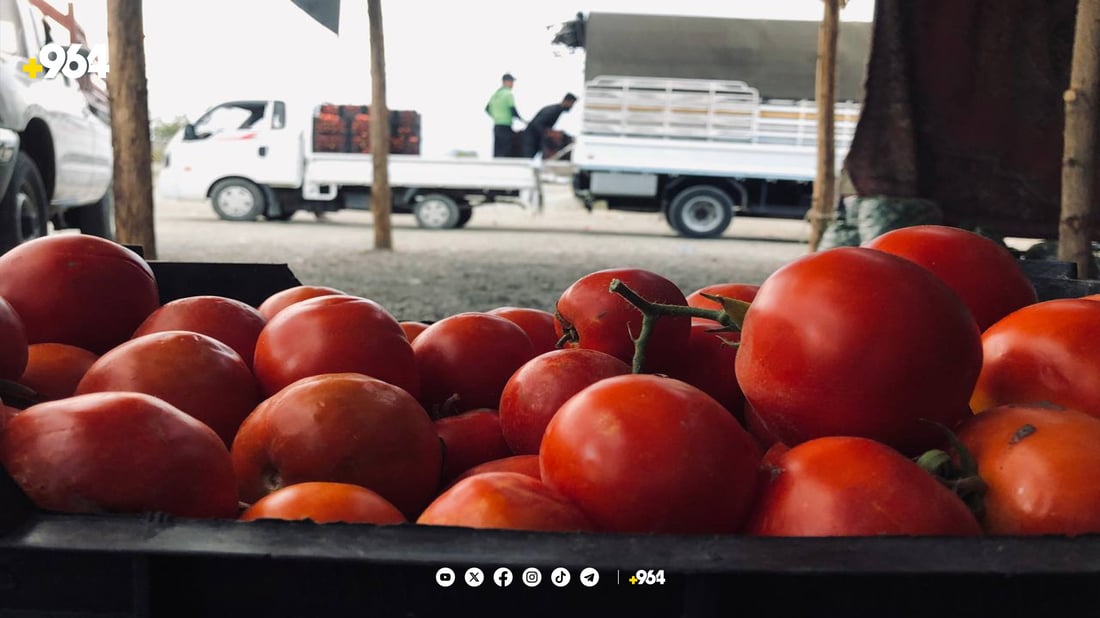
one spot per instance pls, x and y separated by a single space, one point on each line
11 35
230 117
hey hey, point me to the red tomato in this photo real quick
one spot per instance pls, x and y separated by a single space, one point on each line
7 412
231 322
598 319
855 487
738 291
281 300
983 273
764 437
537 389
504 500
470 438
1043 353
344 428
772 456
13 343
470 355
77 289
857 342
412 329
119 453
539 326
523 464
54 369
333 334
323 503
195 373
708 364
1040 468
643 453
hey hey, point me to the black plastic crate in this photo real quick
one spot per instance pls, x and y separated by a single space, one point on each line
115 566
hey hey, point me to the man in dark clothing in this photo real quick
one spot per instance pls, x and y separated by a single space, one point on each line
543 121
502 109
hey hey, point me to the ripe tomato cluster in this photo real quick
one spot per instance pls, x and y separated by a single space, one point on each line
911 387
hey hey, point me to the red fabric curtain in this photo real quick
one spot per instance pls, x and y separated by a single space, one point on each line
964 107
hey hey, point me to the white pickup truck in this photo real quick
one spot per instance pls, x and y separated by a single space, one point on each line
258 158
63 169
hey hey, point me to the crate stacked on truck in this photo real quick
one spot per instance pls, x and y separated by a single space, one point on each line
346 129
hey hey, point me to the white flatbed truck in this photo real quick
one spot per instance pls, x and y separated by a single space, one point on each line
255 158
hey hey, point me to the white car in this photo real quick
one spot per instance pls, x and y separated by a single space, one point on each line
63 169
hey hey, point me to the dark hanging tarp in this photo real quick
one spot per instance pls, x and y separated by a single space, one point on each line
325 12
779 58
964 107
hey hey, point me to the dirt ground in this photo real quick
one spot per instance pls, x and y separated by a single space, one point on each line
505 256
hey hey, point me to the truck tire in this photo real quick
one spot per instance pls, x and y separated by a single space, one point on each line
436 211
236 199
464 215
24 205
700 211
284 215
97 219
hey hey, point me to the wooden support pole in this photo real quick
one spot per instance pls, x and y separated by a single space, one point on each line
825 93
1079 156
380 201
133 172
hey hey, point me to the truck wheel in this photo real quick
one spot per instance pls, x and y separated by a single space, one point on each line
23 206
283 215
464 215
436 211
97 219
701 211
235 199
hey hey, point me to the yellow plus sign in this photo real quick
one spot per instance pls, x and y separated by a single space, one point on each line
32 68
633 580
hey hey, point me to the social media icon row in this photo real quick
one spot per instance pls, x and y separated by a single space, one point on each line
502 577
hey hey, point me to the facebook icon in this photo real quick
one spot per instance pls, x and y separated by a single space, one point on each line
502 577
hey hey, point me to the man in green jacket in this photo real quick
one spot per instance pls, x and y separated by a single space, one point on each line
502 109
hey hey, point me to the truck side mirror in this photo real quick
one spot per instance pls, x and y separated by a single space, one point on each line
189 132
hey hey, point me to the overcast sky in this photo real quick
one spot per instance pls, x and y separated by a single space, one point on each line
443 57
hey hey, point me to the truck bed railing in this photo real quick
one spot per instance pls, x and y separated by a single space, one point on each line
705 110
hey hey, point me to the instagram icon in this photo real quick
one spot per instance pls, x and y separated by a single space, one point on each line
532 577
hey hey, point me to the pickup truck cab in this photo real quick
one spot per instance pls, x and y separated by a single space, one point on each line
62 171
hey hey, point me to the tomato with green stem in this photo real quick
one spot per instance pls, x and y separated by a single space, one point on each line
590 316
844 486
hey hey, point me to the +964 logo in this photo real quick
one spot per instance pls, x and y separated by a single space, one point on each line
72 61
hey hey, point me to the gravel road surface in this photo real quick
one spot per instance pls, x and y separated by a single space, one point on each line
505 255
